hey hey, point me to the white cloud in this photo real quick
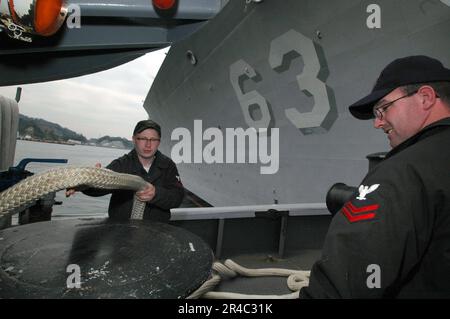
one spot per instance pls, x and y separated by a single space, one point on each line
105 103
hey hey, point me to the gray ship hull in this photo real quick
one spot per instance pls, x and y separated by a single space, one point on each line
296 66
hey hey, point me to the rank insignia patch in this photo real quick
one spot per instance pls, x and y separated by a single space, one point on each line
355 214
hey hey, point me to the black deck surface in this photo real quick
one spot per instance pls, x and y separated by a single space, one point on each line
135 259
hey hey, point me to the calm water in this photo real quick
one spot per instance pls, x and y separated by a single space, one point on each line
78 205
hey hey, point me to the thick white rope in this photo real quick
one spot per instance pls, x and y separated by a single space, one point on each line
297 279
23 194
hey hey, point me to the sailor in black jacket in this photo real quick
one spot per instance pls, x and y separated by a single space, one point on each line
163 175
164 191
392 238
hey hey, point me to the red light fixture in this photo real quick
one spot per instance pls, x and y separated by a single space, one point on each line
48 16
164 4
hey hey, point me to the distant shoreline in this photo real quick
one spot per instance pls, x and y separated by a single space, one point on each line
46 141
67 143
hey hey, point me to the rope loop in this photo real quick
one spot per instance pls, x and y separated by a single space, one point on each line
297 279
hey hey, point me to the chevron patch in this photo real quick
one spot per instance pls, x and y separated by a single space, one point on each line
356 214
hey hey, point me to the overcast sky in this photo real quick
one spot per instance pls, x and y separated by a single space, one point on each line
103 103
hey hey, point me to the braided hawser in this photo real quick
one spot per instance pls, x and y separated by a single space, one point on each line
25 193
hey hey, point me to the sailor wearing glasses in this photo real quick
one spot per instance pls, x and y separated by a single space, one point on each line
164 191
392 240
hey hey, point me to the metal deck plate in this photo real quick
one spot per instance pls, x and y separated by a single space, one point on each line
136 259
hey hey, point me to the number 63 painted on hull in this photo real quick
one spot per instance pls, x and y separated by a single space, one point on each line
310 82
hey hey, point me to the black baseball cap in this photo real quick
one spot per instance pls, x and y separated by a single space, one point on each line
408 70
146 124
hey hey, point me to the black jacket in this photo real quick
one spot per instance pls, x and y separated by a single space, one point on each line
163 175
393 240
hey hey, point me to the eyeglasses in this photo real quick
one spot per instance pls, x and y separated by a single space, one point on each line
145 140
378 111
